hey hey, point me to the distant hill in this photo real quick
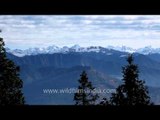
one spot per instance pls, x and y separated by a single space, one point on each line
62 70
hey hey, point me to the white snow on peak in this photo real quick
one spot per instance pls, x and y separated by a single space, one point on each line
76 48
122 49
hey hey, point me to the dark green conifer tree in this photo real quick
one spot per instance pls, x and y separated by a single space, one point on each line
85 94
10 83
132 91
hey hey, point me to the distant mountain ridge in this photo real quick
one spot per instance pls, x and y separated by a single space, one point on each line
76 48
62 70
55 67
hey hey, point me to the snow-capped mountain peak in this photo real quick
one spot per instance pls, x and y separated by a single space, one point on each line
122 48
94 49
76 48
52 49
18 52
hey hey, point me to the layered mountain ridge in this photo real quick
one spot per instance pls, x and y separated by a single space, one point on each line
62 70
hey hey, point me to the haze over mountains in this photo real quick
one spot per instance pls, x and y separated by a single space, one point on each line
57 68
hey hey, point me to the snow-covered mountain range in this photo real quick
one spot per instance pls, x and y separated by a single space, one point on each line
76 48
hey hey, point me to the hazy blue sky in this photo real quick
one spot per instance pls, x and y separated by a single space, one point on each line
42 31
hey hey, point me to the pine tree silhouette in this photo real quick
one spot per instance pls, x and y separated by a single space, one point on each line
85 94
132 91
10 83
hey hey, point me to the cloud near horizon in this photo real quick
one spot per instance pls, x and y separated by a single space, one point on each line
23 31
